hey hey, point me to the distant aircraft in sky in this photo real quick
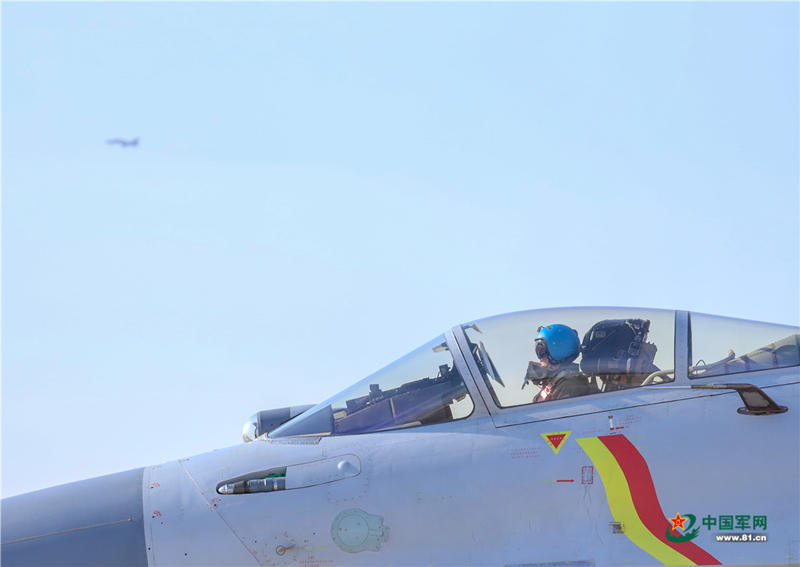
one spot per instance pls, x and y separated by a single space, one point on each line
123 143
659 438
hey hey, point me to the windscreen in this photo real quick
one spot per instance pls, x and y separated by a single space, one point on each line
422 388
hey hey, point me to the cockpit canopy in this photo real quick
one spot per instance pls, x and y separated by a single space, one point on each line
722 345
614 348
421 388
611 349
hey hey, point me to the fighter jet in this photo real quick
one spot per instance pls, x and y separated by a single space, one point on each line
133 143
571 436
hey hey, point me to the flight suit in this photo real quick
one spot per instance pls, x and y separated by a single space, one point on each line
565 381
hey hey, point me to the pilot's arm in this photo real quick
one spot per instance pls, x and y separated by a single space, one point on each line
535 371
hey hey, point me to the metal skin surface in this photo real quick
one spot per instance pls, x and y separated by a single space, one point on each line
471 493
90 522
491 489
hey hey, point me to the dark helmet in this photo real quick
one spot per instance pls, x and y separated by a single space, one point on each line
557 342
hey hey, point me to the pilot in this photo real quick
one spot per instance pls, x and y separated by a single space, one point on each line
557 346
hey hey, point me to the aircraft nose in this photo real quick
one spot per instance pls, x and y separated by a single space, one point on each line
89 522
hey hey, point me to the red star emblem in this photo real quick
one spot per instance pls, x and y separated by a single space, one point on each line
677 521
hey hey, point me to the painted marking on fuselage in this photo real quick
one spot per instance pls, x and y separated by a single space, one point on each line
556 439
633 501
524 453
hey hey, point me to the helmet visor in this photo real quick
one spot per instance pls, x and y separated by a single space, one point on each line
541 349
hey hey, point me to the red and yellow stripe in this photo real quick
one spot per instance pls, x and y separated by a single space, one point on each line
633 502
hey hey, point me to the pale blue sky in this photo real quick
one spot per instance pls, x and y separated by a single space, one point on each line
321 188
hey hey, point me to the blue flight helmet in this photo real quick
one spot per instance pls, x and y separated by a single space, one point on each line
557 342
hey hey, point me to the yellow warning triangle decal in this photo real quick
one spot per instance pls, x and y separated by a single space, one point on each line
556 439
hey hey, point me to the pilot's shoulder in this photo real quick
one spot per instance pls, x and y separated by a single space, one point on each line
570 369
